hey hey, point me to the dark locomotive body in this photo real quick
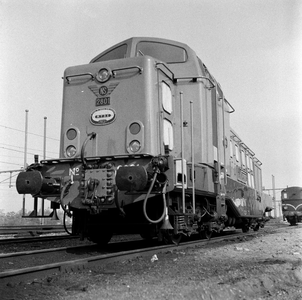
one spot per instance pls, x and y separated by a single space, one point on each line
146 146
291 199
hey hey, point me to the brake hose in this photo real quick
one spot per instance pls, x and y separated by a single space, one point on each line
89 137
64 223
146 200
66 185
66 211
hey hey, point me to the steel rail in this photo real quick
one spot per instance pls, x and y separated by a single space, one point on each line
26 227
34 239
11 229
32 273
48 250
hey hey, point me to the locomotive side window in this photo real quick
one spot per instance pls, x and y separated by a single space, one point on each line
251 180
116 53
251 164
165 52
243 158
257 177
166 97
250 175
168 134
248 161
231 149
237 152
248 179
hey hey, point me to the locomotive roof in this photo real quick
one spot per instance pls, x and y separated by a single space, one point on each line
132 43
186 66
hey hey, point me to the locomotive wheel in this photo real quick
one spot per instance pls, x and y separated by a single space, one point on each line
256 228
64 221
245 228
101 238
170 237
206 234
176 238
148 234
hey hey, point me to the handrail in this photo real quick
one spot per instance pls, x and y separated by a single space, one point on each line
77 75
193 155
208 165
140 70
194 78
255 159
229 104
182 153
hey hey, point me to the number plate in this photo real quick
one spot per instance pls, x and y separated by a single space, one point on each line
102 101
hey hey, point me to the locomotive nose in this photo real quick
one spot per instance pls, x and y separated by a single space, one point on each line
29 182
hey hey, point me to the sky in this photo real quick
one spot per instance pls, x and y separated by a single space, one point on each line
252 48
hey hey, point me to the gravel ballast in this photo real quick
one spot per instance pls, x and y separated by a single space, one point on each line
268 266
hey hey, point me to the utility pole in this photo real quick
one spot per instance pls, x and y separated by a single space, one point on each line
44 157
25 152
274 196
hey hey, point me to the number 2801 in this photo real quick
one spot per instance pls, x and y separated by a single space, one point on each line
102 101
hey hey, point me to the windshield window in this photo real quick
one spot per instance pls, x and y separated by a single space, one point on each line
116 53
164 52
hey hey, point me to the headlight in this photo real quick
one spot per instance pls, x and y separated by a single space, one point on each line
285 207
103 75
71 134
71 151
134 146
135 128
135 137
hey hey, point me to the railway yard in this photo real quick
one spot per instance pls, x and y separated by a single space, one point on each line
137 154
154 177
266 264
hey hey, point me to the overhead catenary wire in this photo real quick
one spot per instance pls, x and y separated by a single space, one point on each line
27 148
23 151
29 132
8 178
2 156
4 162
15 148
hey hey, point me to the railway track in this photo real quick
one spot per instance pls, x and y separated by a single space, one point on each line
67 258
30 230
32 233
35 239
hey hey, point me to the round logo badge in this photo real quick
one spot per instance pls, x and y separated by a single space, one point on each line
103 90
102 116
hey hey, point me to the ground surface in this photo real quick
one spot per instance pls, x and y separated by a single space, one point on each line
268 266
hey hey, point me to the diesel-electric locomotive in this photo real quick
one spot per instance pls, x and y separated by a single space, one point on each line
291 199
147 147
